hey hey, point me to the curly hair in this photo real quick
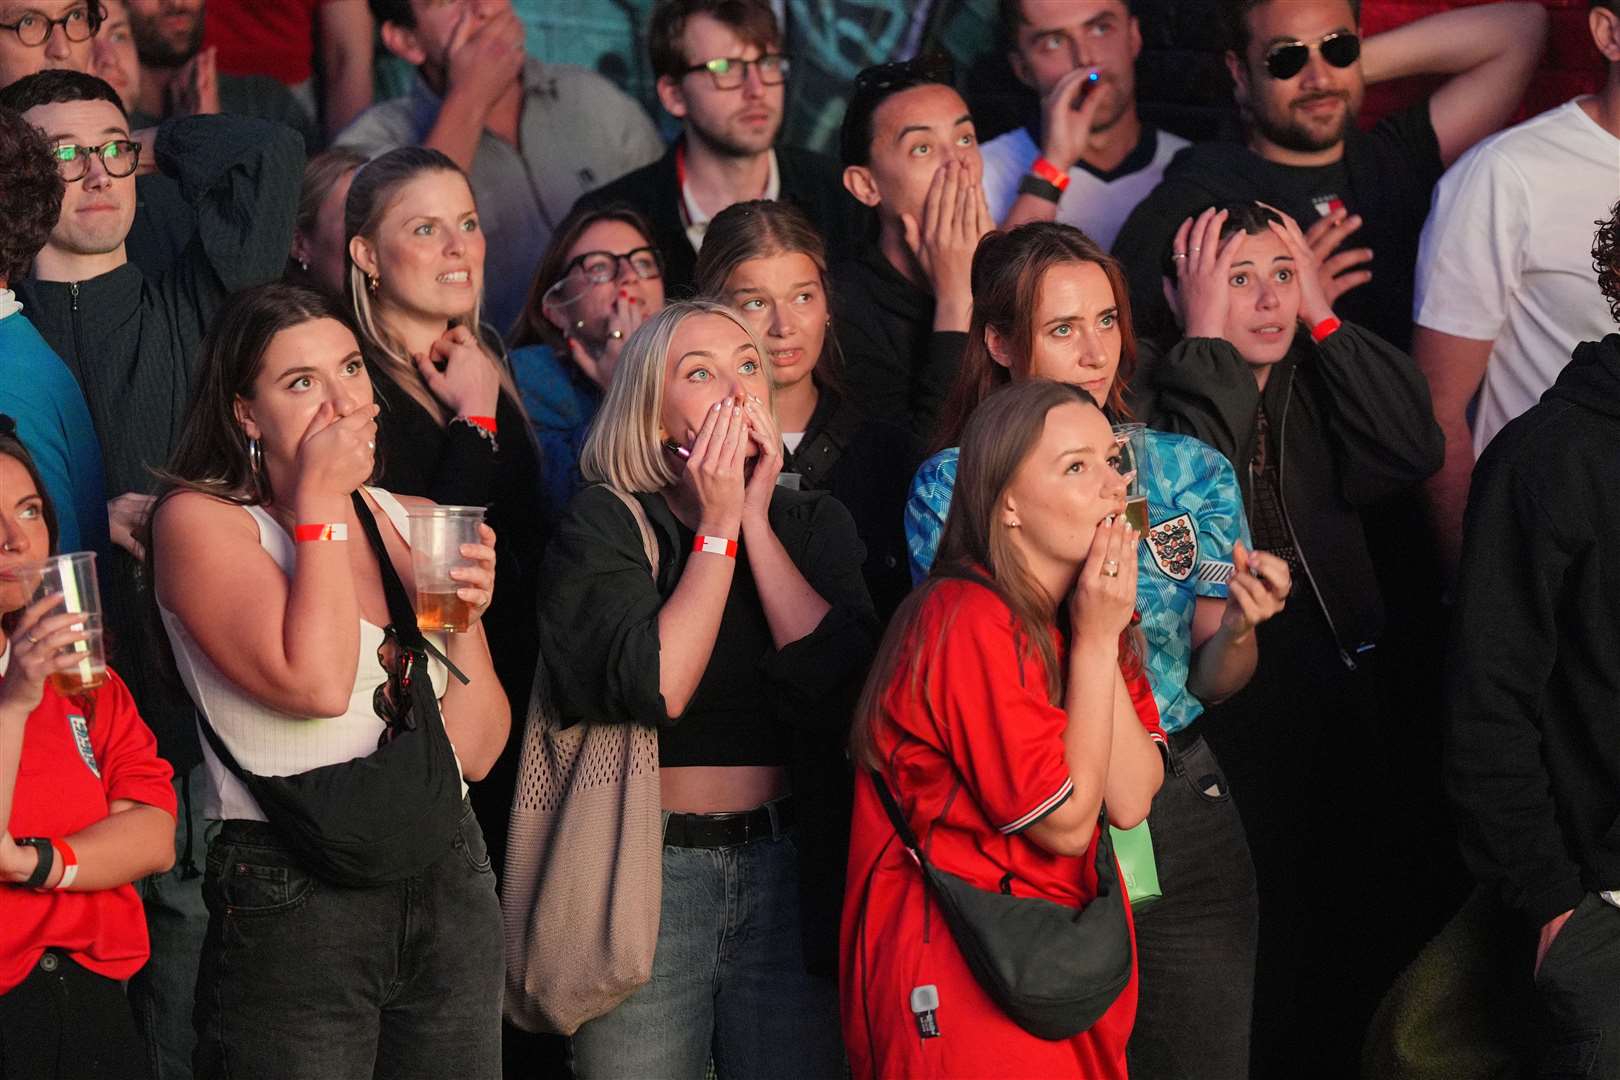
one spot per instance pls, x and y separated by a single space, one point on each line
30 194
1606 259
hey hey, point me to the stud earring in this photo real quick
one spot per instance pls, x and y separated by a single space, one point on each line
303 264
372 283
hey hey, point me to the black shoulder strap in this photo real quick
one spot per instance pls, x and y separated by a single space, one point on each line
901 826
401 615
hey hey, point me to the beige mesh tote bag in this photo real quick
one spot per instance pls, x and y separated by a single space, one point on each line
584 860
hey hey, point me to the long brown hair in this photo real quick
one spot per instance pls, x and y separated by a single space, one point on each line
1008 269
373 191
1000 435
759 229
533 328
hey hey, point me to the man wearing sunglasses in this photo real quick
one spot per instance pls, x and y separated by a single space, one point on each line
1300 70
130 339
722 73
532 137
1505 285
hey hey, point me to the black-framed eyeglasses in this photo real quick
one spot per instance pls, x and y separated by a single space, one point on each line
730 72
34 28
392 698
601 267
1286 59
119 157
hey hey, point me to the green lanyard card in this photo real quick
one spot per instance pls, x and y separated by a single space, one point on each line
1134 850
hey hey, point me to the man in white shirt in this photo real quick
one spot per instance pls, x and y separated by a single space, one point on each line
1093 159
1505 286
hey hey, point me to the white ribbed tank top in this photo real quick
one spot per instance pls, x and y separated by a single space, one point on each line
273 743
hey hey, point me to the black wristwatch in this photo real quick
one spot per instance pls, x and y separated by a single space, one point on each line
47 855
1034 185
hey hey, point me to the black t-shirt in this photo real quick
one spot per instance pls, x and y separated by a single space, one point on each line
1387 175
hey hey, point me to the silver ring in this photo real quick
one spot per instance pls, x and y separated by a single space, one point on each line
1194 251
1111 568
1178 256
32 640
371 444
615 334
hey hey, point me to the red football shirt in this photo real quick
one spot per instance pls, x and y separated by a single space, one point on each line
74 765
975 753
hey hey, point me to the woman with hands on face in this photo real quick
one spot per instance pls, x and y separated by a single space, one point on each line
745 647
1323 420
274 604
1007 706
601 278
452 426
86 808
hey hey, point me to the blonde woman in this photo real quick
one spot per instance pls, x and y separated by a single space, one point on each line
451 427
746 652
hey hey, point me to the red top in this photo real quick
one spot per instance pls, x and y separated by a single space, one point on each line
975 756
59 793
259 38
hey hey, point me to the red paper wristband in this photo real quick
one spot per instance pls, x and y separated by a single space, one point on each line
1050 173
306 533
70 863
1325 329
485 422
715 545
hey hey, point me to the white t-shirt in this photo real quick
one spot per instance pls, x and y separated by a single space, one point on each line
1506 255
1095 203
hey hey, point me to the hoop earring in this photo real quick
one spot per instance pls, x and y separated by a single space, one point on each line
255 458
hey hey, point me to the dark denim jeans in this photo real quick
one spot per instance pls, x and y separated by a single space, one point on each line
302 979
1576 988
65 1022
1196 944
728 979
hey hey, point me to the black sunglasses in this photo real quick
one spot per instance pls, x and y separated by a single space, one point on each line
1286 59
392 698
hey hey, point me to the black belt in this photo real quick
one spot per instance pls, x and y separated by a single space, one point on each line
767 822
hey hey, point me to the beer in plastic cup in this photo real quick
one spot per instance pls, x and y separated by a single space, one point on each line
437 533
73 576
1133 466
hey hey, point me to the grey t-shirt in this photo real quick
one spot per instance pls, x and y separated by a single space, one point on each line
578 131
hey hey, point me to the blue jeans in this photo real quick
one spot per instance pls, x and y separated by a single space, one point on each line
162 993
302 979
728 979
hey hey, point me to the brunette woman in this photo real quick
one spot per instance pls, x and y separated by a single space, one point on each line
320 256
1324 420
601 278
276 604
765 259
88 808
998 715
452 427
1048 303
747 653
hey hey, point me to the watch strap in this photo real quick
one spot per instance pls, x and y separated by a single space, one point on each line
1034 185
47 856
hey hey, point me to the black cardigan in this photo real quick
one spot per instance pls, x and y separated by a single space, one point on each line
600 650
1533 740
812 182
1353 426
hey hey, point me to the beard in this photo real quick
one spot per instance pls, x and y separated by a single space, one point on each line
1280 127
165 50
724 144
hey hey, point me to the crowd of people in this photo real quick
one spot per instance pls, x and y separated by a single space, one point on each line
1088 604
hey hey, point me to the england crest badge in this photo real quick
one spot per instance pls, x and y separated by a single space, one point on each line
1174 546
81 739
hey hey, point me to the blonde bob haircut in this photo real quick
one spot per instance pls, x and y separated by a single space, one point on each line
623 448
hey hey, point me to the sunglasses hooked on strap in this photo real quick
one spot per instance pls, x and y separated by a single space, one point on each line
1286 59
392 698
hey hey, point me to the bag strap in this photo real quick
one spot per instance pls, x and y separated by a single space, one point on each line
401 615
649 541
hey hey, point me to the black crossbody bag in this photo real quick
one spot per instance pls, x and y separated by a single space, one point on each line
1054 970
389 815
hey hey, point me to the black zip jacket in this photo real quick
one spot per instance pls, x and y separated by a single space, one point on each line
1533 736
896 365
810 181
131 340
1353 426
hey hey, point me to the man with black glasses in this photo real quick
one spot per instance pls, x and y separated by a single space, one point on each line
130 338
721 72
37 35
1300 71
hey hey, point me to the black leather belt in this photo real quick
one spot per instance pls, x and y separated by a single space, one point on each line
766 822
